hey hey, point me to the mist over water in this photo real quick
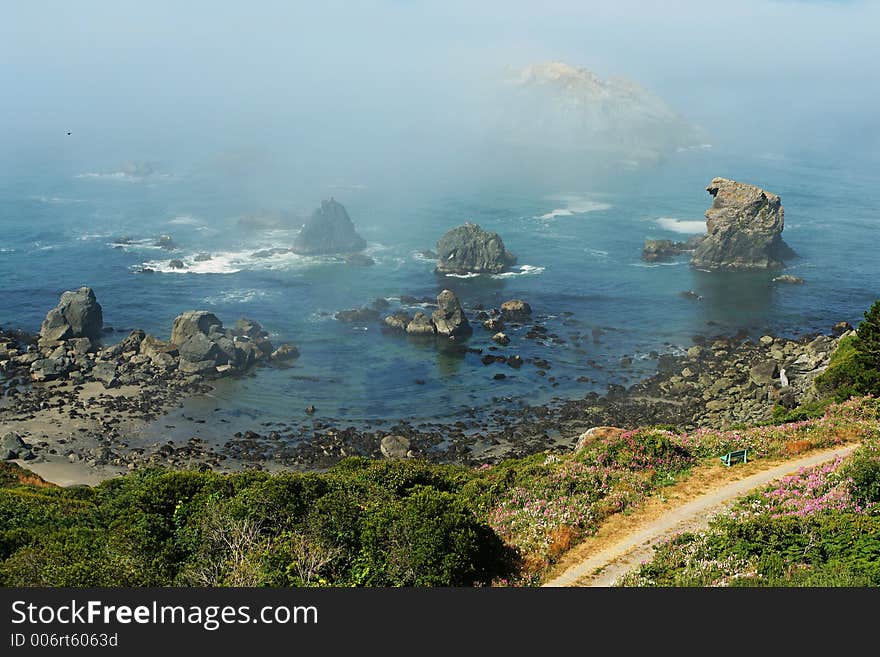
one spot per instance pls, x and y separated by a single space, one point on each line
420 116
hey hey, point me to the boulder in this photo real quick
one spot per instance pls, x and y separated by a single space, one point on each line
501 338
449 318
191 323
421 324
744 229
764 373
105 373
49 369
202 367
662 250
329 230
13 447
398 321
158 349
77 315
493 325
515 310
199 348
249 328
394 447
840 328
284 353
80 346
470 249
176 264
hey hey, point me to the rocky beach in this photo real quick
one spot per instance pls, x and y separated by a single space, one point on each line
83 417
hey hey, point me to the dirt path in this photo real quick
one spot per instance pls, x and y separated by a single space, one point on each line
625 541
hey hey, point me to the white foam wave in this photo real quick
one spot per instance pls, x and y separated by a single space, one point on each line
694 147
469 275
358 187
184 220
418 256
521 270
651 265
597 253
6 250
684 226
120 176
87 237
573 204
233 262
237 296
56 200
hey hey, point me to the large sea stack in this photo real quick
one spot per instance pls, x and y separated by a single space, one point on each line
469 249
744 229
329 230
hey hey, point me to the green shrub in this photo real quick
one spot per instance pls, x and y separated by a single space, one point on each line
854 368
429 538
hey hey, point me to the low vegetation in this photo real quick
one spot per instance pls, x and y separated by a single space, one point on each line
374 523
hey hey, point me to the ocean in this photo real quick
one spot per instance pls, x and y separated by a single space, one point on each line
579 267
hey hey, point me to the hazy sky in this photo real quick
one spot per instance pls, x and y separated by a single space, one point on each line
311 82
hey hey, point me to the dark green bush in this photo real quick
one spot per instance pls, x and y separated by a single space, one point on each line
429 538
855 364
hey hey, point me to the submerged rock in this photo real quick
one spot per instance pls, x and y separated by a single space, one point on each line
788 278
358 315
744 229
329 230
470 249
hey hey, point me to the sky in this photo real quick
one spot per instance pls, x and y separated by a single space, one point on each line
353 88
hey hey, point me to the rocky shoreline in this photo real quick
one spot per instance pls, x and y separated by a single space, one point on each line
720 382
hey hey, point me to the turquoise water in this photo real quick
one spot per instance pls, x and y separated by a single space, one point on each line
578 248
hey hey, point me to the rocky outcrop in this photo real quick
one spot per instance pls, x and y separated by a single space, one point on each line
662 250
469 249
329 230
449 318
744 229
421 324
200 348
13 447
516 310
77 315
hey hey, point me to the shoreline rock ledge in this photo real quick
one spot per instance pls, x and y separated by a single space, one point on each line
744 229
328 231
468 249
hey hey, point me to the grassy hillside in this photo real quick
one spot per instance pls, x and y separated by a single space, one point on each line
372 523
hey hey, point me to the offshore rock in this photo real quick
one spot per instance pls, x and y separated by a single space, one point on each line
744 229
329 230
469 249
516 310
449 318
